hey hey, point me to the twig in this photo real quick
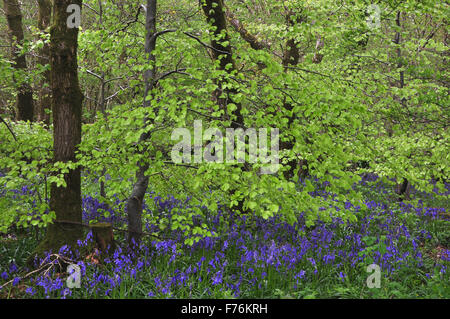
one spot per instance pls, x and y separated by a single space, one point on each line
43 265
10 130
204 44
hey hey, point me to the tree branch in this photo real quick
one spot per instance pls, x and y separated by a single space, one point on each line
205 44
254 42
10 130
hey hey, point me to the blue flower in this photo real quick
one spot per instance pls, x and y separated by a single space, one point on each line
13 268
66 292
30 291
16 281
217 279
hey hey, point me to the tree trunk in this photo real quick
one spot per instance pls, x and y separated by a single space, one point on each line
214 11
66 107
25 92
292 57
104 237
402 189
44 17
215 15
135 201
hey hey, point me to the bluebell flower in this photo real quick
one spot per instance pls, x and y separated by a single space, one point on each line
217 279
13 268
16 281
30 291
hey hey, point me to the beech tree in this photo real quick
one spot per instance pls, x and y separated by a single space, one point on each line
44 102
318 71
135 201
24 91
65 197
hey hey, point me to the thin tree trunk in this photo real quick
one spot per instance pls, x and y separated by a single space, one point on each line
135 201
44 17
25 92
403 188
67 101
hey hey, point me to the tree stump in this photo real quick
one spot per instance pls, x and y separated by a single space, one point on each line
102 234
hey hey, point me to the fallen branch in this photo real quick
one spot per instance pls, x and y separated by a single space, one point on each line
44 266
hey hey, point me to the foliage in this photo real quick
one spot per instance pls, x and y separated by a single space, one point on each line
371 113
253 258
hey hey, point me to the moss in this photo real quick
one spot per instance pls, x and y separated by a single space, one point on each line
66 106
57 236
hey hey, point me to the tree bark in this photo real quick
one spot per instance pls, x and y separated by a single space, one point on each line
104 237
44 17
25 92
67 101
214 11
135 201
402 189
220 42
291 54
291 58
251 39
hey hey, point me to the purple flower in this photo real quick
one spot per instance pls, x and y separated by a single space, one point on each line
30 291
301 274
312 261
13 268
16 281
157 281
217 279
66 292
165 290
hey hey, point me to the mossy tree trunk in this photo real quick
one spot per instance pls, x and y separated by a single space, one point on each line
44 103
66 108
25 92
